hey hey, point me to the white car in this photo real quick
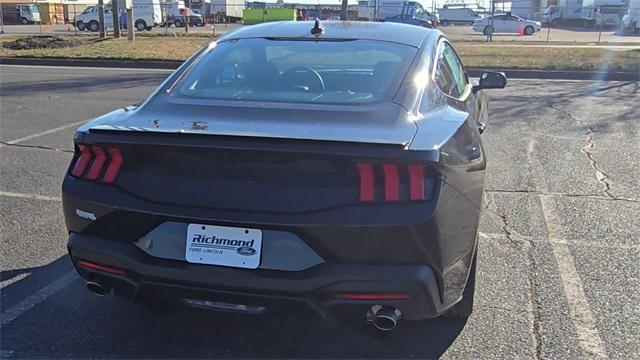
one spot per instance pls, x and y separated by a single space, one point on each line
506 23
88 20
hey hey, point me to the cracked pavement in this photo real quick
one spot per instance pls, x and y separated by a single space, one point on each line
558 246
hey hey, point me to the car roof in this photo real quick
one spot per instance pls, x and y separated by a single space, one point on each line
348 30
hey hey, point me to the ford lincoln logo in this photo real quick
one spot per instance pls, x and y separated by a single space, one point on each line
246 251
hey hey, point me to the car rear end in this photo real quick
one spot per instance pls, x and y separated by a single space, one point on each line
357 228
221 216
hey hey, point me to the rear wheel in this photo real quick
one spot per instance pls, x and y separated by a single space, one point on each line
140 25
93 25
529 30
444 23
178 23
24 21
80 26
488 30
464 308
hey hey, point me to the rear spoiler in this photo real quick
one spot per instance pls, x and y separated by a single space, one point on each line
186 140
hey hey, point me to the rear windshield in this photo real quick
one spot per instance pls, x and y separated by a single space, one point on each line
324 72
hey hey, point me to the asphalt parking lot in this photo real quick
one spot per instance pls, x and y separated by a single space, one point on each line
558 253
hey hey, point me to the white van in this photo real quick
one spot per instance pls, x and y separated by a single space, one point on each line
457 16
147 14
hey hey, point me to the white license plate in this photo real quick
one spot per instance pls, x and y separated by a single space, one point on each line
222 245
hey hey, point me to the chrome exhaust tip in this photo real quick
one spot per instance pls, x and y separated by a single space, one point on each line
97 288
384 318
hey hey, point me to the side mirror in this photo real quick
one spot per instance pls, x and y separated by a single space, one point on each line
491 80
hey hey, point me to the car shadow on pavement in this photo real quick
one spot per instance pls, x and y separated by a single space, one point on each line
21 283
73 323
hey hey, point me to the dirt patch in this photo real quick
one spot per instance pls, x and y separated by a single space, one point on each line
41 42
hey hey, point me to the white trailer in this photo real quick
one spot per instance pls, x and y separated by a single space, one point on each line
582 10
227 10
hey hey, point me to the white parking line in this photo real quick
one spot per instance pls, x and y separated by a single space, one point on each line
29 196
39 296
47 132
579 309
583 319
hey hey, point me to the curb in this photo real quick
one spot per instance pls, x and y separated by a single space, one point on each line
473 72
132 64
560 74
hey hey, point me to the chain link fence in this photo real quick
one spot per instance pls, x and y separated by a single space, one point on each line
510 22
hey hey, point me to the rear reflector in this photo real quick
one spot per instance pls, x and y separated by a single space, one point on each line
95 158
357 296
103 268
366 182
391 182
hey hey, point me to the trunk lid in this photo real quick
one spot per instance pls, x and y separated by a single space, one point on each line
378 123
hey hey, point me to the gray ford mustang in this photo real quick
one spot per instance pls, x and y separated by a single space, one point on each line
337 166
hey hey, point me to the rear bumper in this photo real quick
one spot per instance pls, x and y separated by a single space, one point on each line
317 287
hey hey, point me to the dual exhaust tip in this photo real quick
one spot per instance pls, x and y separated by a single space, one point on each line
98 288
383 318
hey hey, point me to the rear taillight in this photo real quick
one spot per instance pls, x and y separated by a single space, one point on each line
394 182
97 163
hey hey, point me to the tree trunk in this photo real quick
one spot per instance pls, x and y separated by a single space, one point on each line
115 10
101 25
343 10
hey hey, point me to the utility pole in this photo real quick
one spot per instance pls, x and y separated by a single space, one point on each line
343 10
1 21
376 10
433 13
130 34
101 18
493 12
186 13
115 10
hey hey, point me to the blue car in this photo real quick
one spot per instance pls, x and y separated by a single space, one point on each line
410 19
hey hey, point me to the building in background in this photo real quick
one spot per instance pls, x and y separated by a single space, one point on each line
308 11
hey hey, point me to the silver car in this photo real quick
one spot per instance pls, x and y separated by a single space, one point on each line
506 23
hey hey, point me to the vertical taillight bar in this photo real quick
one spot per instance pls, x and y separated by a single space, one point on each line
416 182
391 182
98 162
366 181
82 161
114 165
